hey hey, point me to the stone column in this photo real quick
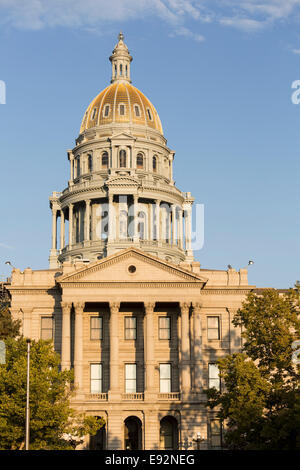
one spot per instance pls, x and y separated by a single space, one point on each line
71 167
87 219
150 224
149 348
157 217
78 351
114 391
66 336
135 219
71 225
54 228
62 229
110 218
180 229
188 229
174 225
185 349
197 347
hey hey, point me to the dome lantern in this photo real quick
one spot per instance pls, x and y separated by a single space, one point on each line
120 61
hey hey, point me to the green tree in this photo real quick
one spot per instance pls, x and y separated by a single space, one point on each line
53 423
259 401
9 328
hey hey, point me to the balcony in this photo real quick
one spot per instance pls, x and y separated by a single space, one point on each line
170 396
133 396
98 396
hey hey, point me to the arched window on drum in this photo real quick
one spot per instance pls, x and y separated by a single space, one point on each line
104 160
140 161
154 164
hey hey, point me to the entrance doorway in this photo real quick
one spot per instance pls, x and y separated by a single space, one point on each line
132 433
168 433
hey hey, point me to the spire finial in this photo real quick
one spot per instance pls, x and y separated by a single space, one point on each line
120 60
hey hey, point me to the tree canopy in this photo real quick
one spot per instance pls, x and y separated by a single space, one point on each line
260 398
53 423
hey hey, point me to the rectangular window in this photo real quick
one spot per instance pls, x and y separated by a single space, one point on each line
213 328
96 327
46 328
215 433
164 326
96 378
130 327
122 109
137 111
130 378
213 376
165 378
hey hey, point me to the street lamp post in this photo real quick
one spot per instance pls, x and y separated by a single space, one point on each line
27 397
198 439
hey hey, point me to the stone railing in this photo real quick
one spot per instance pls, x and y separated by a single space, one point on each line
169 396
133 396
98 396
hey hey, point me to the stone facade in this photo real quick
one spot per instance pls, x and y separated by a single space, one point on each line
126 305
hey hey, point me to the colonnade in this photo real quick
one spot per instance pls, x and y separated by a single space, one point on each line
162 222
190 339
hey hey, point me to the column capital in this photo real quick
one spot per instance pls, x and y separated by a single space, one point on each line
196 307
79 306
184 307
114 307
149 307
66 306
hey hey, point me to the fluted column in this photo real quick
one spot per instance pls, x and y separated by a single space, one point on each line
66 336
185 349
114 348
197 347
54 228
71 225
62 229
149 346
78 353
87 218
71 167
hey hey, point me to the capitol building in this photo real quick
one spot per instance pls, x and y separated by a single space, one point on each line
124 301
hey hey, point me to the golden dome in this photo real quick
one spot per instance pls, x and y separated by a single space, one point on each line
121 103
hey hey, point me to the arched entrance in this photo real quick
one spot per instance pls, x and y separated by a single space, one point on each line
168 433
132 433
98 441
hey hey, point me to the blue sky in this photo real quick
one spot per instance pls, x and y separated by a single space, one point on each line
220 75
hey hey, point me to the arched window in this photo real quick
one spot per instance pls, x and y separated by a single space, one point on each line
122 109
132 433
149 114
106 110
139 161
122 159
98 441
137 110
121 69
90 163
154 164
168 433
126 70
94 113
104 160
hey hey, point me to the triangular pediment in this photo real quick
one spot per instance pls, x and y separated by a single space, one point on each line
122 136
122 180
131 266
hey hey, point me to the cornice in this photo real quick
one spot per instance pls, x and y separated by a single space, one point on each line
130 284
